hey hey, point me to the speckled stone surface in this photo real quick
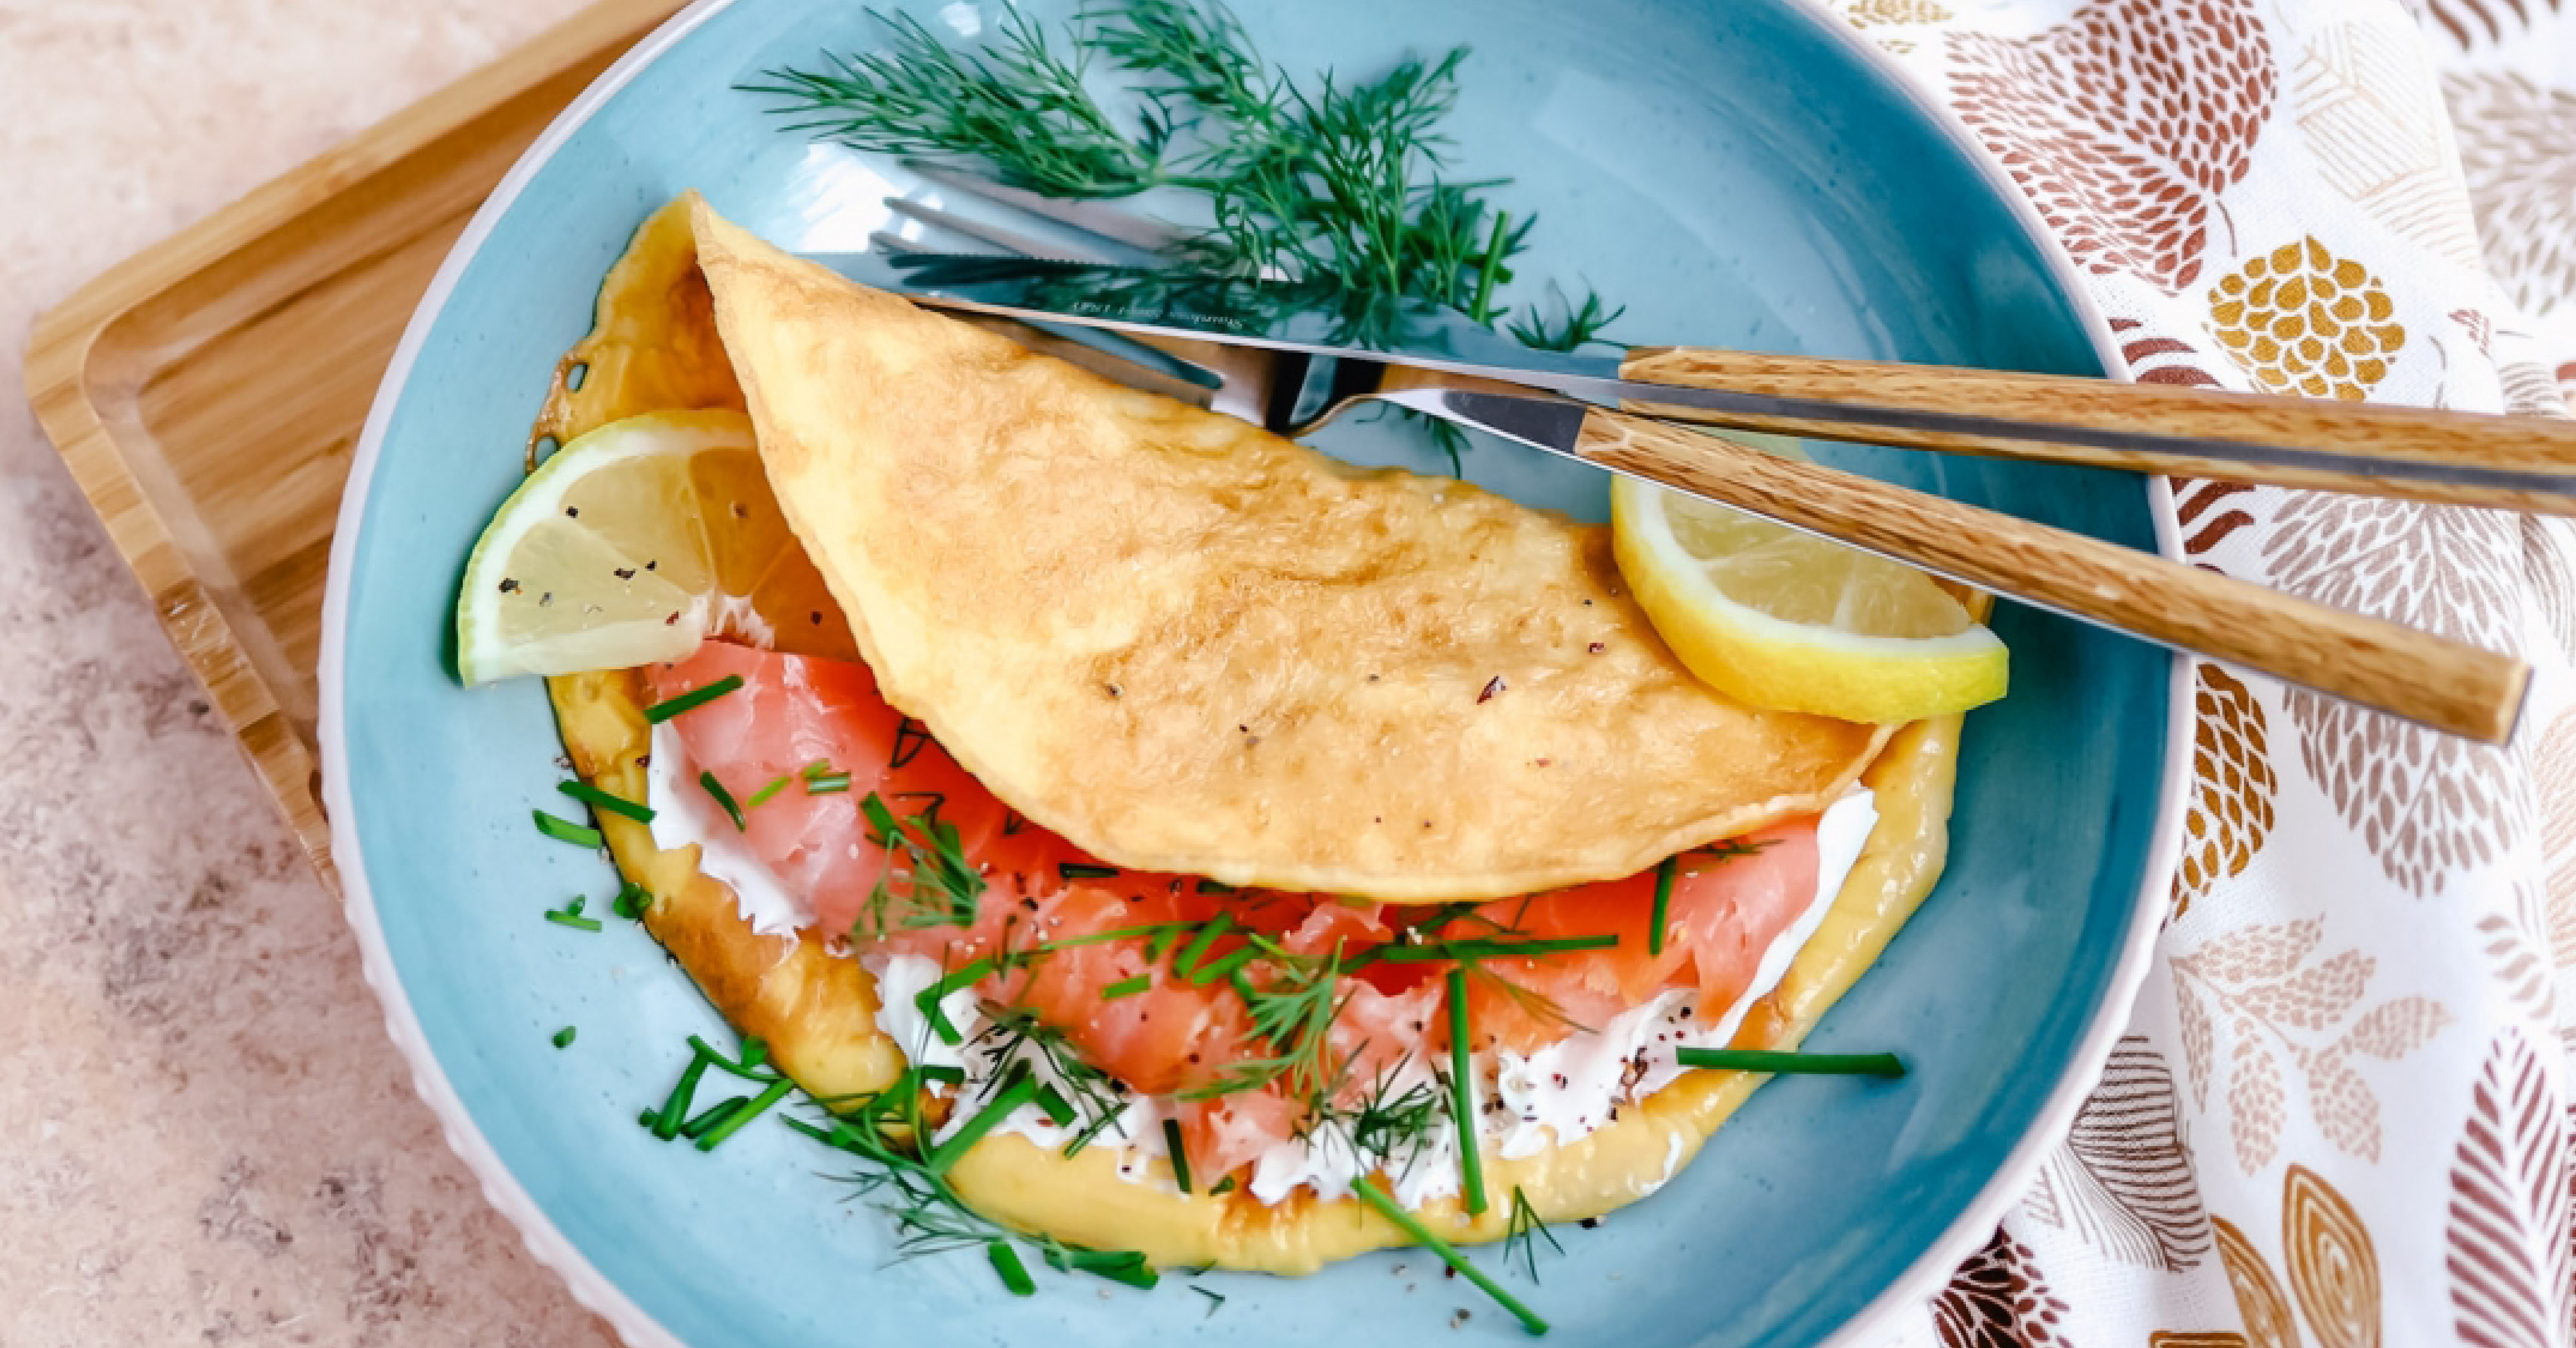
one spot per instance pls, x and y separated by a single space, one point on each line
204 1136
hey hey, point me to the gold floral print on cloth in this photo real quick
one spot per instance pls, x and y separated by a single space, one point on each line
2301 320
2232 786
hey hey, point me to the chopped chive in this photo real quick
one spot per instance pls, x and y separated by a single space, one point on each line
942 1073
601 800
572 918
761 797
564 830
1022 1089
1462 1107
1214 1299
1197 949
1222 967
675 1106
754 1054
564 1036
745 1113
631 901
1059 1111
712 1115
1076 870
723 798
1180 1154
1006 1262
1098 1126
1126 987
1157 930
1819 1064
1422 1235
691 700
1663 903
1479 948
1215 887
1223 1186
1122 1266
828 784
929 998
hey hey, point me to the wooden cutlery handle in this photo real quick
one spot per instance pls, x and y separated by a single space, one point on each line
2416 675
2295 442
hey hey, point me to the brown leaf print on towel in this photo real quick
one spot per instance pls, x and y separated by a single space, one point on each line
2123 1180
2372 113
2197 508
2426 804
2159 360
2124 124
2232 787
1998 1300
2259 1298
2517 957
2509 1235
2553 770
2547 549
2471 22
2518 153
2334 1272
2286 1013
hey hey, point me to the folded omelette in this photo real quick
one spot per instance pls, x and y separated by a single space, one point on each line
1191 646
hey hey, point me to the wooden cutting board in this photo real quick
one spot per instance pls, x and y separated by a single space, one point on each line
208 393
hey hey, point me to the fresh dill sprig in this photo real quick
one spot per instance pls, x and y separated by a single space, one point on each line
1338 185
1523 1233
889 1133
937 887
1388 1129
1293 1012
1017 103
1572 328
1014 1034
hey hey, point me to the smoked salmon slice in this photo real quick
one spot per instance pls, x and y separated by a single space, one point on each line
1143 973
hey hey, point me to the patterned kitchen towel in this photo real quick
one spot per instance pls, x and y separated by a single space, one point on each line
2341 1114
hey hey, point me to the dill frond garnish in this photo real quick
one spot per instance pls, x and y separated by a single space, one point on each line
1292 1004
1342 186
1017 104
1523 1233
928 881
889 1132
1572 328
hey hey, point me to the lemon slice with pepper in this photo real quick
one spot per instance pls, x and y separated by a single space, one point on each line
1783 620
632 544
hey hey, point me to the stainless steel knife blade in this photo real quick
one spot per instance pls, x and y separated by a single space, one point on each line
1289 316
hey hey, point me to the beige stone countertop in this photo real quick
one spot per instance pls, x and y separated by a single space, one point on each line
205 1137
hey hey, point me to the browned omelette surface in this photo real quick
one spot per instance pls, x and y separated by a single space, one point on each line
1190 645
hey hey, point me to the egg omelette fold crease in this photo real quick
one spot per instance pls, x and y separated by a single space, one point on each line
650 351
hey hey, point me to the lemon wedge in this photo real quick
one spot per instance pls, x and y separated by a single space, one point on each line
1782 620
632 544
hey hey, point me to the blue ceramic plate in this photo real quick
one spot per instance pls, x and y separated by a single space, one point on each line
1743 174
